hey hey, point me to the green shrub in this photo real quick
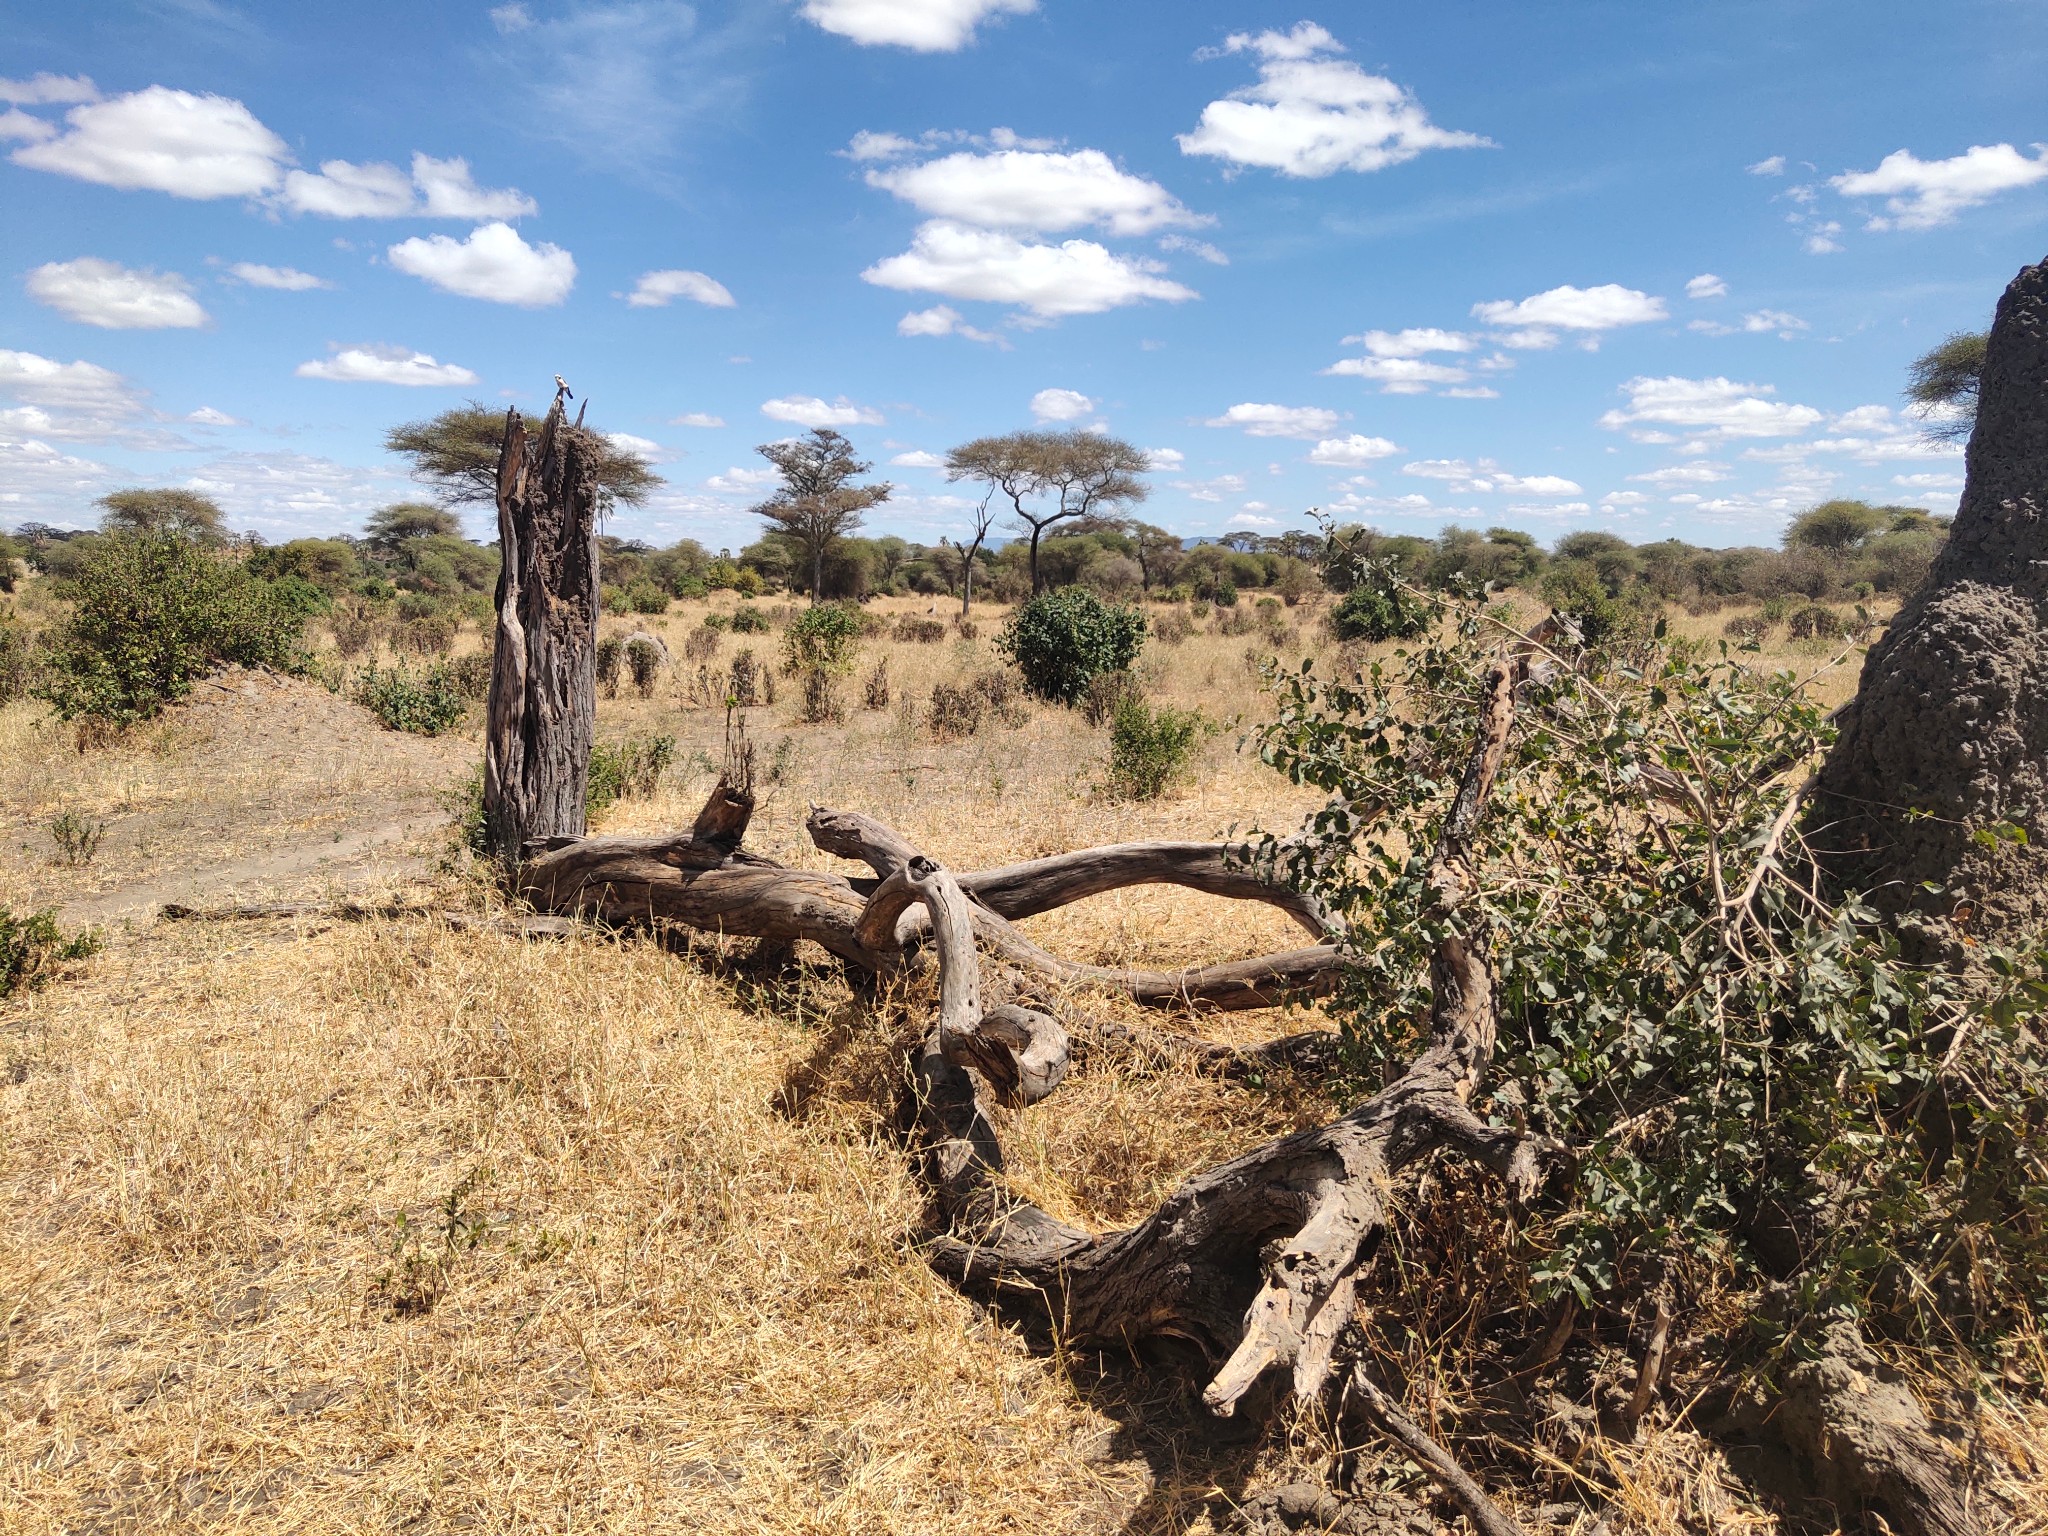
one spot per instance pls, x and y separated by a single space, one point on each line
609 651
33 947
1151 747
1225 595
1061 639
1748 1085
626 770
151 614
646 597
1575 588
748 620
421 703
822 640
1378 609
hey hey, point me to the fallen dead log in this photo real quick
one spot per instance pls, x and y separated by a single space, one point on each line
705 879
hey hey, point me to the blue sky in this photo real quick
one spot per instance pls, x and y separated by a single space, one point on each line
1655 268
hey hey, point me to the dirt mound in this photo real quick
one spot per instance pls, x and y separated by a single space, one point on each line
1941 773
254 785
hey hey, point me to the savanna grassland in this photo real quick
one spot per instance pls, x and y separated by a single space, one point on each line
365 1219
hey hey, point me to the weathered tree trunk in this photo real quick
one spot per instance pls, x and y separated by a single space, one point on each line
543 699
1946 742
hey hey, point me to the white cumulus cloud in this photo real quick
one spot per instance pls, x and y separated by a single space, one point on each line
945 320
1714 407
927 26
374 364
1706 286
116 298
1311 114
1034 190
696 419
18 126
288 279
1757 322
1060 405
918 459
1773 165
1920 194
48 90
448 192
1398 375
435 189
493 263
76 401
161 140
1539 485
1076 277
1416 341
655 290
1698 472
1306 421
1534 321
342 190
1168 460
810 411
641 447
1356 448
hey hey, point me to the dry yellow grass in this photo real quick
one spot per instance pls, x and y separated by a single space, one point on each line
385 1227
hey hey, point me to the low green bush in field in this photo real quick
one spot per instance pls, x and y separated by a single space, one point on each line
423 703
629 769
151 614
32 947
1151 747
1061 640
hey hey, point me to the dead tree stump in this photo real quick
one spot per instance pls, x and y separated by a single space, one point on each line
543 699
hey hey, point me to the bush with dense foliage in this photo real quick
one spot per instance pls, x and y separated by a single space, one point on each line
1752 1085
424 703
1378 608
151 613
1061 639
1151 747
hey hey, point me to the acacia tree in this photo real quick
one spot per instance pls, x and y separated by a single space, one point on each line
186 514
1052 477
1158 552
1947 378
818 503
457 452
390 528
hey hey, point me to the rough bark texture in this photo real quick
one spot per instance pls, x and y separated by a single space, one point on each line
1870 1444
1948 734
543 699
